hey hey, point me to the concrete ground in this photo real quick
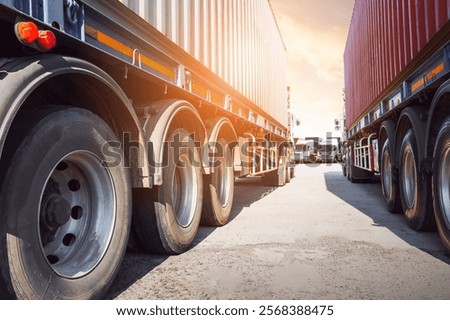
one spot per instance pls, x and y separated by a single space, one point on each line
319 237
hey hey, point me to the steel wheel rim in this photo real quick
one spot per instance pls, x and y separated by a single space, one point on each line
444 184
184 190
74 242
387 177
409 178
223 187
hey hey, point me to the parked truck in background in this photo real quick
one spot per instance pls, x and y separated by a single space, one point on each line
129 120
397 97
329 149
303 150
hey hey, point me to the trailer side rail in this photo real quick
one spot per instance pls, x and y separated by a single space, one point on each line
125 36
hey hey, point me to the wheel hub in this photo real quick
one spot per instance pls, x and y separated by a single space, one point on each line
77 214
56 211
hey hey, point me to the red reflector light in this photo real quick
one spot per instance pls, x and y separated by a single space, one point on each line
27 32
46 39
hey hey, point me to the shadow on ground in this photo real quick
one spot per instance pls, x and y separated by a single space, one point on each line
356 194
138 264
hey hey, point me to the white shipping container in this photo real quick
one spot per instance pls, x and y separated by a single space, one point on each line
238 40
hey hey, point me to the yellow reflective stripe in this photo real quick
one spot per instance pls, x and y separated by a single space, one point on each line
199 89
416 85
437 70
158 67
429 76
114 44
216 98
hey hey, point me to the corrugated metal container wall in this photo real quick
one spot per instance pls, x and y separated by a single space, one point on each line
237 40
384 36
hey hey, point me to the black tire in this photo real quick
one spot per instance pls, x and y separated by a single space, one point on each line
415 190
218 188
389 185
167 217
348 164
289 172
65 218
350 175
441 183
344 170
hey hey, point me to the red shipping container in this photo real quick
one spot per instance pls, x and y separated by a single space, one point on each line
384 36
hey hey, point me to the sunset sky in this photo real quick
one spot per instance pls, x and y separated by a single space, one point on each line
314 32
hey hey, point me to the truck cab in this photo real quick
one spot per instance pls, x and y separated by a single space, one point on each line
328 152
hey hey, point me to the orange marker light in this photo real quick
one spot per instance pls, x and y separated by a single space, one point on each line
27 32
46 40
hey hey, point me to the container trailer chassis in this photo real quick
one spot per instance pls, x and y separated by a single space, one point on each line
405 138
111 135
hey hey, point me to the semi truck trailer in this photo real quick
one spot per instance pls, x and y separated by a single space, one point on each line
397 107
124 124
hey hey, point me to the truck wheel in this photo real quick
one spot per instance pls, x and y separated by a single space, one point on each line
292 171
344 169
348 165
289 171
350 176
413 187
441 183
167 218
218 190
277 177
64 216
388 186
282 170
